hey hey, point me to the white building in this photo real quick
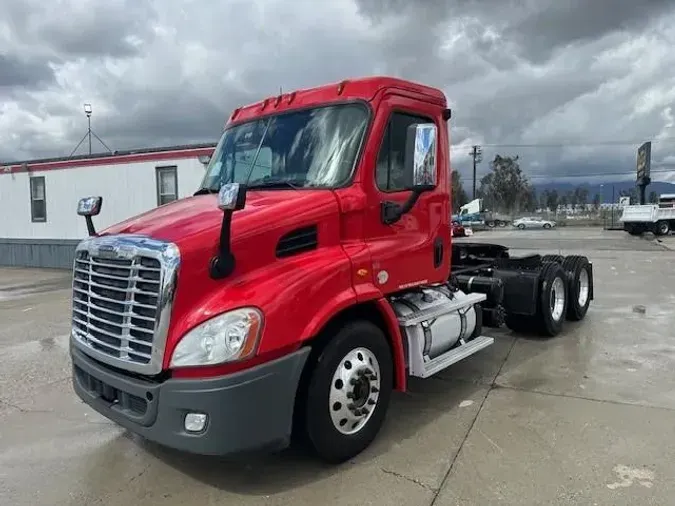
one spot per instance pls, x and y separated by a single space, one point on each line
39 226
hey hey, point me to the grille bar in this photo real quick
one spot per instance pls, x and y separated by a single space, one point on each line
123 290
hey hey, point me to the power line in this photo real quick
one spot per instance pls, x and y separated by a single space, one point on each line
571 144
585 175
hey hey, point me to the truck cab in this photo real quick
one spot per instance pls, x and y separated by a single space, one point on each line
307 278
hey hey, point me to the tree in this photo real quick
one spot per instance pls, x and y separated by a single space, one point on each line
596 201
653 198
580 196
505 188
552 200
458 195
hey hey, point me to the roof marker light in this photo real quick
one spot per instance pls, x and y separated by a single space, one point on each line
291 97
341 87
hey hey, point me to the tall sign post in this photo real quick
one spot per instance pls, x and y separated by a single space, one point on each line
644 165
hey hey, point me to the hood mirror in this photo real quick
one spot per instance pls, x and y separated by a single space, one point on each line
88 207
231 197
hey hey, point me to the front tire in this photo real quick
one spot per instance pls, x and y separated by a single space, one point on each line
521 226
349 392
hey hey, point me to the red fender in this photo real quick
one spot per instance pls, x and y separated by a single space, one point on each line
400 376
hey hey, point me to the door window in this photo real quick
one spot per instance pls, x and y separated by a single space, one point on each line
390 171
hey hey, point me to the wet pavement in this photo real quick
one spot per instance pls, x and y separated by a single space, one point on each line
586 418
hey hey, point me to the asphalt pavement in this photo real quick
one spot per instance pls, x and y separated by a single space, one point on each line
586 418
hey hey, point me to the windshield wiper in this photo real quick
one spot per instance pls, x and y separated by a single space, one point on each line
275 183
205 190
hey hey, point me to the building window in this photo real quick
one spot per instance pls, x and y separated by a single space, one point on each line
390 173
38 202
167 184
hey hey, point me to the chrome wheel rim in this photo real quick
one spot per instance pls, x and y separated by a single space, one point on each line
584 287
354 391
557 302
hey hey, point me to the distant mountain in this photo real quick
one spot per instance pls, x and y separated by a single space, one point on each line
606 189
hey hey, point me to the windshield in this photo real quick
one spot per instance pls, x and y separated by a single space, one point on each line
310 148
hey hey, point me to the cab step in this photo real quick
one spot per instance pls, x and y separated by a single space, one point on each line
431 367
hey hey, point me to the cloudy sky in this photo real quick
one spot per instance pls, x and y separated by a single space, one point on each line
571 86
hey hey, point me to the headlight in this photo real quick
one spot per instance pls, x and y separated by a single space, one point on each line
224 338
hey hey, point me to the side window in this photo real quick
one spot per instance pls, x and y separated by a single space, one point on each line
167 184
38 201
390 173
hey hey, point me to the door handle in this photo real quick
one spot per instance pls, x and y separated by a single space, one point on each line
438 252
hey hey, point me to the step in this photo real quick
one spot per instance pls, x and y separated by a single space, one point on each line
453 356
438 310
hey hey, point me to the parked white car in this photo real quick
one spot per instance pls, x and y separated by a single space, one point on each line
533 222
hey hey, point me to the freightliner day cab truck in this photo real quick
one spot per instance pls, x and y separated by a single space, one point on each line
309 277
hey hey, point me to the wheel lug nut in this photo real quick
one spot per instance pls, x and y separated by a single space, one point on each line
371 402
353 381
350 395
357 412
373 390
364 411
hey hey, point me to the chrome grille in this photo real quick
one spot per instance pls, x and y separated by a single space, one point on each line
121 291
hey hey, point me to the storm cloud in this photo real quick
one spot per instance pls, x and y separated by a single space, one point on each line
559 83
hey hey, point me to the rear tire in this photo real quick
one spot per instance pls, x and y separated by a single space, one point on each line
349 391
547 226
580 284
553 299
551 305
662 228
553 258
521 226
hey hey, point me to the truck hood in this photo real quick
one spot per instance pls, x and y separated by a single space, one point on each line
183 219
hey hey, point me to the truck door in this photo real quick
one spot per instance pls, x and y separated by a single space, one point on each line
414 250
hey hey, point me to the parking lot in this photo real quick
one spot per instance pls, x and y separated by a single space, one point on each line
586 418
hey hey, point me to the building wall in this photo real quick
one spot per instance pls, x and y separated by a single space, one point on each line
127 189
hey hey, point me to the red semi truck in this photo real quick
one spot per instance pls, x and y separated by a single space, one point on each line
308 278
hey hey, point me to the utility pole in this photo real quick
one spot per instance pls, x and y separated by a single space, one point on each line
477 156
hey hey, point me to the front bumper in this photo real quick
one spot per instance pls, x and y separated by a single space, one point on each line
247 411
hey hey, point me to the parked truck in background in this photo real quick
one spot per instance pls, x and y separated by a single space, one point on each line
657 218
310 276
474 214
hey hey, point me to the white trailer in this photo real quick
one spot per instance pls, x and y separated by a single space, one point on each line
657 218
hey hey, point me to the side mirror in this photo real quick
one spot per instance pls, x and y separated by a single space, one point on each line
420 162
88 207
420 155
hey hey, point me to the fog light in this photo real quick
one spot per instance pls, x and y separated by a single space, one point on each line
195 422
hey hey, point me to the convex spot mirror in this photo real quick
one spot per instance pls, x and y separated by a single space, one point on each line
420 155
231 197
89 206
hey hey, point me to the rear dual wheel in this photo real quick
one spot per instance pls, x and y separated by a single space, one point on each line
551 304
580 286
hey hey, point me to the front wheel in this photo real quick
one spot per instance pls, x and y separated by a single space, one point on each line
349 392
521 226
547 225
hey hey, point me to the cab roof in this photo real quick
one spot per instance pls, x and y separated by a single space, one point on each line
364 88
